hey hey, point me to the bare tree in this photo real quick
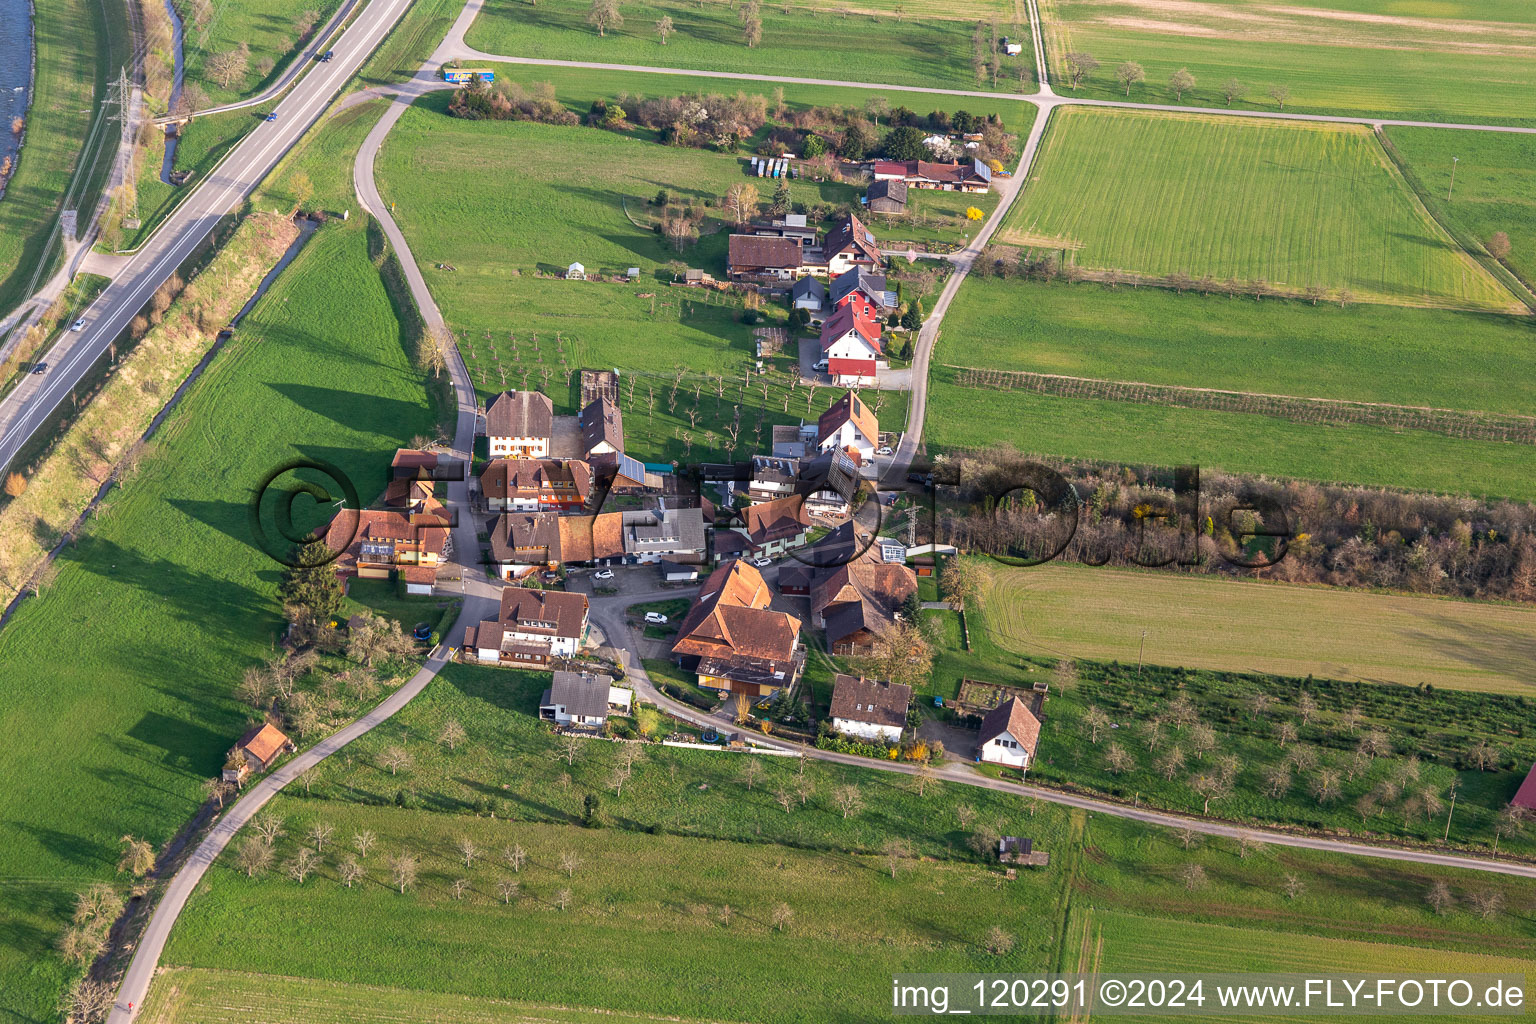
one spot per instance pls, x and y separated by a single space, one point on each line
515 856
228 66
1293 886
459 886
1180 82
1079 66
1232 90
1171 763
664 28
570 746
350 871
1280 93
320 833
781 916
1439 897
848 800
269 827
782 797
1277 781
1130 73
363 842
923 777
508 889
1118 759
896 851
750 771
1498 245
395 759
1188 837
603 15
451 734
1285 732
1096 721
1193 876
468 850
1209 786
1306 708
569 862
302 865
1201 739
997 941
253 857
1486 902
402 868
216 789
563 898
1324 785
1483 754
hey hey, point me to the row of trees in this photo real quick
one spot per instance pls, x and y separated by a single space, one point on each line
1079 66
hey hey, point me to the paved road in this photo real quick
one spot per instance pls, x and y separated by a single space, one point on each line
26 408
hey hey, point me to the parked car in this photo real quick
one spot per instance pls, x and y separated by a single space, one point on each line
655 618
40 368
821 365
603 574
78 325
885 451
762 563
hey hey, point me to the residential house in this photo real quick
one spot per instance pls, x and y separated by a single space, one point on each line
673 533
256 751
575 272
848 245
850 343
849 425
829 482
964 176
602 428
524 541
533 485
795 579
580 699
534 628
1009 735
409 494
375 543
855 593
732 640
726 544
592 539
870 709
865 283
773 527
617 473
772 477
888 197
413 464
519 424
791 225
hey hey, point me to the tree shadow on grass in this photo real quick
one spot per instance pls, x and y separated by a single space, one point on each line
365 413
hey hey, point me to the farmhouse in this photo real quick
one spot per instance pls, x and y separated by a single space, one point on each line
532 630
1009 734
850 343
888 196
413 464
733 641
411 495
764 258
519 424
966 176
828 482
602 428
581 699
871 709
532 485
373 543
617 473
592 540
856 598
791 225
778 258
849 425
255 752
773 527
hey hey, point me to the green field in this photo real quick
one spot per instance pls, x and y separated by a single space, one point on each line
70 141
929 52
1495 187
269 29
1457 60
1158 435
1231 625
124 727
1292 204
409 43
1157 336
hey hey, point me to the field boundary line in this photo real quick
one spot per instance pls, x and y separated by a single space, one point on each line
1507 427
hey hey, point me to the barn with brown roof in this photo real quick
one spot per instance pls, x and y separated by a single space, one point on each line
734 641
519 424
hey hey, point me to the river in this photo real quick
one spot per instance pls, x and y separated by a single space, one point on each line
168 164
15 73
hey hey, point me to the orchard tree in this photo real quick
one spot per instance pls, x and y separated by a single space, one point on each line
1130 73
1180 82
604 15
1080 65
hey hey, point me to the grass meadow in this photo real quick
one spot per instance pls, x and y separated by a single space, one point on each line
1279 629
409 44
269 29
1293 204
1363 353
1459 60
934 52
1494 190
970 418
166 598
80 44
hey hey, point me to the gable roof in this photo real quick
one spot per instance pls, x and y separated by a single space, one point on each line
520 414
352 528
850 235
526 536
582 693
893 189
777 519
601 421
1016 720
850 318
766 251
504 478
809 287
732 619
875 701
413 462
551 612
858 279
848 409
264 742
1525 796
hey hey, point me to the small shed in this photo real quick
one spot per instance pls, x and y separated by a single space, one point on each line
633 273
256 751
1021 850
888 196
575 272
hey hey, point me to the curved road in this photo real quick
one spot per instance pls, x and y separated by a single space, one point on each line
34 399
480 594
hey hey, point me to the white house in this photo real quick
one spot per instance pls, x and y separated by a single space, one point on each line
519 424
577 698
849 424
575 272
1009 735
850 343
534 628
870 709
